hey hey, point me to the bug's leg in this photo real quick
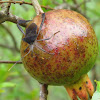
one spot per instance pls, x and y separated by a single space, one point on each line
21 22
44 40
43 18
19 60
31 49
49 37
20 28
44 50
26 48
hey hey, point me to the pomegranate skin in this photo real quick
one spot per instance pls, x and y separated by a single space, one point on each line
75 48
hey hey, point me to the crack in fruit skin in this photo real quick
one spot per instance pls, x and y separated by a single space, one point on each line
75 48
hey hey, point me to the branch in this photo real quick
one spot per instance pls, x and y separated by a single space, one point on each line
6 16
8 8
10 62
12 18
37 7
23 2
47 7
43 91
63 6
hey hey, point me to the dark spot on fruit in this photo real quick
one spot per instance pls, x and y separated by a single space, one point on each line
80 88
64 59
83 55
76 68
90 97
86 82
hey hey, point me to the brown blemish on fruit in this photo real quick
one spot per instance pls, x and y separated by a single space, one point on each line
80 88
86 82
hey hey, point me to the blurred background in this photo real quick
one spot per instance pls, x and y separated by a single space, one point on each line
17 84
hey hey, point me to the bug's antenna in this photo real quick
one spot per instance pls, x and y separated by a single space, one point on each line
43 18
49 37
18 61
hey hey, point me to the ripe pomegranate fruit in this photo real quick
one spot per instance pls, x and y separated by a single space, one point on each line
75 50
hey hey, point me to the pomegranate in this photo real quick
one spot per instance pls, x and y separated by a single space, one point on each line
69 54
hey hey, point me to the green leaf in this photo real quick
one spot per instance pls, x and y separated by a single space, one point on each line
96 95
1 91
98 86
7 84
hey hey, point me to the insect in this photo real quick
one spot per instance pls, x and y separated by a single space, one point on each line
31 36
31 31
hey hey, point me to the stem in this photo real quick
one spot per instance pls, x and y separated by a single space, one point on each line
37 7
5 16
43 91
10 62
27 3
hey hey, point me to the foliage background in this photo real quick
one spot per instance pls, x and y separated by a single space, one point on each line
17 84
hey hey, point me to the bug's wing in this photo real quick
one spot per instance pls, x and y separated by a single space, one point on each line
31 33
30 40
31 30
